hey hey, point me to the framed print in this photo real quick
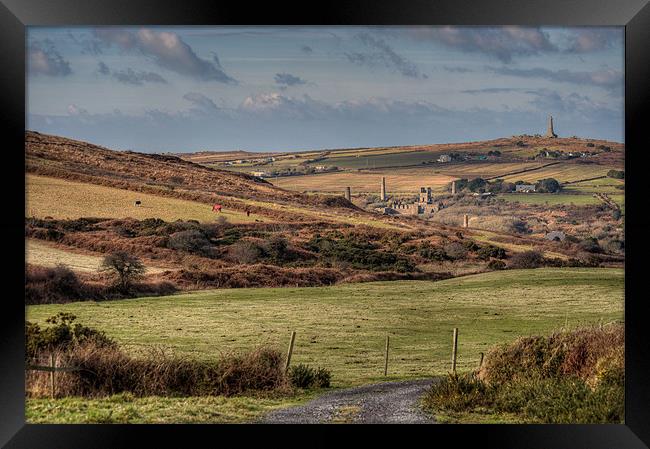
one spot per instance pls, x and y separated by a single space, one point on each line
369 213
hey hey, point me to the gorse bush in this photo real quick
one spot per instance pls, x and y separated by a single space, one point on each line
61 335
527 259
568 377
304 376
359 254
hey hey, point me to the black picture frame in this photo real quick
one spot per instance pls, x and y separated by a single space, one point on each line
15 15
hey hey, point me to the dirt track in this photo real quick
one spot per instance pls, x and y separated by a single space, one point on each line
389 402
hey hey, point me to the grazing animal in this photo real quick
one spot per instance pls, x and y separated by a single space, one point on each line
137 203
216 208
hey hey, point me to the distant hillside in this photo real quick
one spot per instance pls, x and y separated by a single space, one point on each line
206 157
514 148
153 173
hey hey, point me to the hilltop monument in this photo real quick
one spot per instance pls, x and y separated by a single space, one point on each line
383 189
549 129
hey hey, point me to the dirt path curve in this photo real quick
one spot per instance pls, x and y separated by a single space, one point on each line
389 402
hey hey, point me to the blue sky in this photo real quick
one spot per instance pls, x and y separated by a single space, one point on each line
182 89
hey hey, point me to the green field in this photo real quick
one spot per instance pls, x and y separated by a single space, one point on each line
342 328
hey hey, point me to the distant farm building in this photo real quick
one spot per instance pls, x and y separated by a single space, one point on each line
444 158
259 174
525 188
557 236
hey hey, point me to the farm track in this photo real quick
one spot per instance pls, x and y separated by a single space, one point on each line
389 403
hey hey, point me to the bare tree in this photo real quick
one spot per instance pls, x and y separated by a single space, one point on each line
125 267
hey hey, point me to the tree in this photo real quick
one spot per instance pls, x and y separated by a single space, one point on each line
548 185
125 267
477 184
616 174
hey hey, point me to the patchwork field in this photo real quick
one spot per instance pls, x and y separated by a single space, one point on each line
63 199
343 328
364 182
567 172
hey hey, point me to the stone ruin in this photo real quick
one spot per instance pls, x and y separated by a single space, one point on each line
424 206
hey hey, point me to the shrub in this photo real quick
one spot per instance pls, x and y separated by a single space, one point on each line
304 376
477 185
616 174
527 259
568 377
245 252
277 249
590 144
548 185
590 244
496 265
106 370
192 241
61 335
455 251
322 378
50 285
301 376
430 252
458 393
489 251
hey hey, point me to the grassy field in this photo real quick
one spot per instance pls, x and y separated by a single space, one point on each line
126 409
562 172
48 255
343 327
365 182
59 198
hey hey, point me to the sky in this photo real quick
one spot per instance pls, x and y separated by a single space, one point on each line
182 89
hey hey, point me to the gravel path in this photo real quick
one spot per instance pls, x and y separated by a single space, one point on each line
389 402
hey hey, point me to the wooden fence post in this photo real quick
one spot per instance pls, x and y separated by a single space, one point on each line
52 365
293 339
386 356
480 364
454 348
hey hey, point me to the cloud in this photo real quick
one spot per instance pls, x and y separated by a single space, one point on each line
380 53
129 76
167 50
583 106
587 40
607 78
493 90
44 59
201 102
306 49
503 43
73 109
458 69
287 79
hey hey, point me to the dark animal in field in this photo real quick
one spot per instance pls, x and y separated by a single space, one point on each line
137 203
